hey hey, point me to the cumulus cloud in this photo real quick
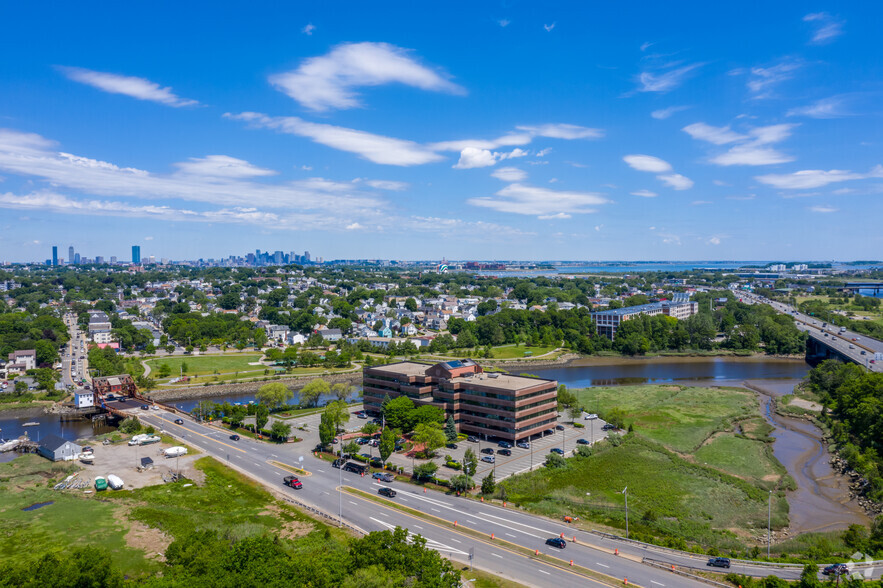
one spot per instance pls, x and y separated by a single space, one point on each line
714 241
510 174
391 185
308 30
647 163
472 157
329 81
644 193
375 148
540 202
826 27
667 80
676 181
809 179
504 22
131 86
665 113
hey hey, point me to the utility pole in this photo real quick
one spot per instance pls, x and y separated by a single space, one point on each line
339 497
626 492
769 527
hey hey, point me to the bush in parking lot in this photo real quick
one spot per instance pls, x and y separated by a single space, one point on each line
578 426
553 460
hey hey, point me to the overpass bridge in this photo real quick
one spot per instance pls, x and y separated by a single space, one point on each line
877 287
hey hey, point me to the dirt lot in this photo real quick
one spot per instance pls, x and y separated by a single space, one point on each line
121 459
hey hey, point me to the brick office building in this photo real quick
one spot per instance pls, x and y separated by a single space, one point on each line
490 404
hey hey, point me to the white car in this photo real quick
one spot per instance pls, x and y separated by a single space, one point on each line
591 417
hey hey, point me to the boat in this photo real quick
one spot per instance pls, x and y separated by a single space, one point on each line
115 482
149 440
87 458
136 440
100 483
175 451
31 424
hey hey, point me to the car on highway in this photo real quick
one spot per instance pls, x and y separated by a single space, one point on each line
718 562
590 417
293 482
836 570
234 437
557 450
177 421
145 407
504 445
523 445
505 452
388 492
472 439
383 476
489 459
582 441
557 542
488 450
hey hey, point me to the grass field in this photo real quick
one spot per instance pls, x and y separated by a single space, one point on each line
513 352
207 364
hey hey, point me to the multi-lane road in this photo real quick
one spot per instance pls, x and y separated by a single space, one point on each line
74 364
511 528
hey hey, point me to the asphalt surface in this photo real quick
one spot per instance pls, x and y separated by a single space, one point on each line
73 360
508 525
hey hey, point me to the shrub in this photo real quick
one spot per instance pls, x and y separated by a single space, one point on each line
578 426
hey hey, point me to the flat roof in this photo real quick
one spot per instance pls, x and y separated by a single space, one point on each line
408 368
503 381
631 309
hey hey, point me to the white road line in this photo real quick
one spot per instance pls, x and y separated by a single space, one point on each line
418 527
434 509
657 583
517 523
509 534
351 502
318 470
469 521
383 514
456 540
602 565
543 572
273 455
497 555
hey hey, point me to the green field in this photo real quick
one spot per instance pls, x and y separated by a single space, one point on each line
513 352
207 364
679 417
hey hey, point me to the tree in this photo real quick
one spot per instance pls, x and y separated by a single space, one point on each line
280 430
470 462
351 448
370 428
130 425
309 394
164 370
451 429
574 411
261 415
431 436
338 413
566 398
411 304
326 430
387 443
488 484
426 414
274 394
461 483
553 460
425 470
46 352
342 390
21 387
184 366
397 413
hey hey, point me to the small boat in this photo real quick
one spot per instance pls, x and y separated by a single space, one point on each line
87 458
100 483
115 482
31 424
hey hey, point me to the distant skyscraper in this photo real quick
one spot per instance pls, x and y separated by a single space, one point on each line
76 258
70 254
113 259
99 259
136 254
307 256
54 255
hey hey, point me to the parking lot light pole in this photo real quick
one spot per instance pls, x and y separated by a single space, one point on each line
626 492
339 496
769 521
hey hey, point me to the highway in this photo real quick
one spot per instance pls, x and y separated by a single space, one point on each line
509 526
858 347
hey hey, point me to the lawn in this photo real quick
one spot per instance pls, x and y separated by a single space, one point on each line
679 417
207 364
513 352
748 459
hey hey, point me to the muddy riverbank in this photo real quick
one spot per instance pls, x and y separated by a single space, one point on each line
823 500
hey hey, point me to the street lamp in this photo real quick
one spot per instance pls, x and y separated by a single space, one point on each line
769 520
339 497
626 492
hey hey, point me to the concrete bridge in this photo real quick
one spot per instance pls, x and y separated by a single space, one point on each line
855 287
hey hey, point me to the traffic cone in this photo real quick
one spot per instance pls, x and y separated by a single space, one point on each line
673 569
574 539
625 580
455 523
536 551
504 505
562 535
571 562
615 552
424 490
482 498
492 535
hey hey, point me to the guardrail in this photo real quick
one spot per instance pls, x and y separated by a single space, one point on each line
665 566
323 514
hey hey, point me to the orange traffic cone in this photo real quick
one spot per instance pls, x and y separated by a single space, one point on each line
455 523
574 539
571 562
424 490
482 498
492 535
504 504
615 552
625 580
562 535
536 551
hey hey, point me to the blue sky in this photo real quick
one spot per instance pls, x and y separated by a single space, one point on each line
480 130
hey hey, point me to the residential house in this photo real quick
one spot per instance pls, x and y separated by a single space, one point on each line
57 449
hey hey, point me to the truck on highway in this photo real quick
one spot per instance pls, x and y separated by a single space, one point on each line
842 329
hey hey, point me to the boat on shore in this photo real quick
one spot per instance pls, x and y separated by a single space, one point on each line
87 458
100 483
115 482
31 424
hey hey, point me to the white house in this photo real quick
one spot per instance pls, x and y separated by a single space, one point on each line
84 399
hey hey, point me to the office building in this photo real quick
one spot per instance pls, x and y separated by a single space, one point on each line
54 255
608 321
494 404
136 254
70 254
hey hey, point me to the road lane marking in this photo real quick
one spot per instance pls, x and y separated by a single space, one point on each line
602 565
497 555
546 531
509 535
353 503
470 521
456 540
318 470
543 572
418 527
657 583
434 509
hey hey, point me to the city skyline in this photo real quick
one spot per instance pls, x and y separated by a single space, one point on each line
471 132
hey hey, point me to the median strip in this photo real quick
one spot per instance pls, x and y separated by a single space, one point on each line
499 543
290 468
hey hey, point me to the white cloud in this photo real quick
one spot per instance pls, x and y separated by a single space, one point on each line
700 202
221 166
715 135
375 148
751 155
833 107
560 215
540 202
510 174
665 113
644 193
471 158
504 22
676 181
549 27
327 82
647 163
308 30
646 45
131 86
823 209
149 238
762 79
809 179
714 241
354 226
745 197
544 152
562 131
461 144
827 27
599 227
390 185
667 81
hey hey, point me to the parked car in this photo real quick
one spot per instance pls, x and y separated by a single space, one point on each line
451 446
293 482
388 492
608 427
836 570
549 432
590 417
559 427
234 437
557 450
472 439
506 452
582 441
386 477
504 445
719 562
523 445
557 542
488 459
488 450
179 421
145 407
361 415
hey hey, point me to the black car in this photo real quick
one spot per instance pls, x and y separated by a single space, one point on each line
557 542
836 570
719 562
488 450
608 427
504 445
557 450
451 446
472 439
504 451
559 427
234 437
388 492
582 441
145 407
179 421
